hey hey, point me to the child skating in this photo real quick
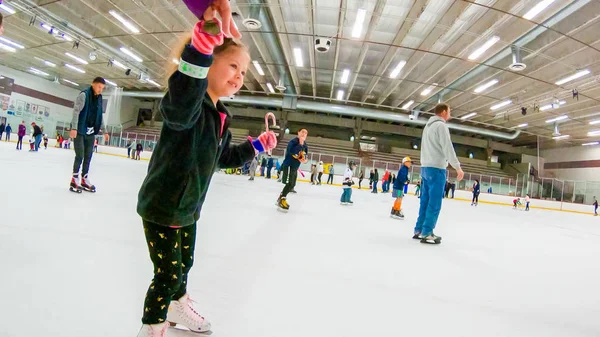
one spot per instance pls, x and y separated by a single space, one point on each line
476 191
195 141
595 206
527 202
516 203
398 190
347 185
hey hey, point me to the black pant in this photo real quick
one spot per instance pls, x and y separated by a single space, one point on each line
475 198
330 179
84 146
20 143
285 169
269 168
8 136
359 182
319 178
312 178
291 182
172 253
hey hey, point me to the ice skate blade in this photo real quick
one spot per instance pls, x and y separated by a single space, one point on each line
282 210
436 242
177 331
75 190
396 217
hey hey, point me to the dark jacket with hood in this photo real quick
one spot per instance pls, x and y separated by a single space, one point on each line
195 141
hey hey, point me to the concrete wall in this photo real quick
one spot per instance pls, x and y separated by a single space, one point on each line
571 154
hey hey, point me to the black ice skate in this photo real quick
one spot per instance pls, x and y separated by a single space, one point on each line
417 236
74 186
87 185
432 239
282 204
398 215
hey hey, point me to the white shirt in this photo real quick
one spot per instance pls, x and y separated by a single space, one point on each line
347 176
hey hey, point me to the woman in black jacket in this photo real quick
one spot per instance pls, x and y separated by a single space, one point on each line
375 180
476 190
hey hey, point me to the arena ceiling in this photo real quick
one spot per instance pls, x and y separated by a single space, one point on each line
404 51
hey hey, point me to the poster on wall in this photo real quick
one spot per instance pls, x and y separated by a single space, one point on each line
34 109
27 107
21 106
19 113
4 101
47 111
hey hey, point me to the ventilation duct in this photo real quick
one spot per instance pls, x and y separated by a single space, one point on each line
517 61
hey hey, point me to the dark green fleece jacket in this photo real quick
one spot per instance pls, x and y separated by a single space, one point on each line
194 143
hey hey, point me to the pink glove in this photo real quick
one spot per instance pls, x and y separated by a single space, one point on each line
267 141
205 42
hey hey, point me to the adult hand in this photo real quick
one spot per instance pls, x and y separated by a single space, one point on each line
222 7
459 174
73 133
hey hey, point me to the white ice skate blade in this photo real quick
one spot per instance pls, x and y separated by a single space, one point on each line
282 210
429 242
179 331
396 217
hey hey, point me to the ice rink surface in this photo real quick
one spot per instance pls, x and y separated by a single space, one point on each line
77 265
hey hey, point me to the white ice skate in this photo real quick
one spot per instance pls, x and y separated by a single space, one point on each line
343 203
182 312
153 330
87 185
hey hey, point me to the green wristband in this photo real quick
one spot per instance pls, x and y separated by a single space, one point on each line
192 70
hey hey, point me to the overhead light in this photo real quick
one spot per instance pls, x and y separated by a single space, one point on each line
67 38
111 83
37 71
131 54
561 137
573 77
50 64
12 43
345 76
270 86
556 119
589 144
408 104
78 59
594 133
7 9
501 105
479 51
358 24
428 90
537 9
522 125
119 64
469 115
153 82
595 122
396 70
258 68
46 26
176 61
124 21
72 67
7 48
562 102
298 57
340 95
485 86
546 107
71 82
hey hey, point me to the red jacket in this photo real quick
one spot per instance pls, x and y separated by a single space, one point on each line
386 176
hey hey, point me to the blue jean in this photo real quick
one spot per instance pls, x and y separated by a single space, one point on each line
38 140
346 195
374 187
433 181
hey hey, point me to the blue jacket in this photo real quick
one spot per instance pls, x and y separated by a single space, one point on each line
81 127
293 149
270 162
401 178
476 189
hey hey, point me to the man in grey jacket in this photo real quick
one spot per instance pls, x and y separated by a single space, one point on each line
436 152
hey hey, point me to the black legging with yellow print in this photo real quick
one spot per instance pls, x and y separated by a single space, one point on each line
172 253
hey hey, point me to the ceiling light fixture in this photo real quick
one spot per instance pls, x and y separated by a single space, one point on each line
71 82
428 90
7 9
594 133
111 83
537 9
130 54
132 28
12 43
340 95
37 71
78 59
501 105
258 68
358 24
270 86
408 104
469 115
396 70
119 64
522 125
485 86
345 76
589 144
72 67
595 122
560 137
153 82
67 37
573 77
7 48
298 57
479 51
546 107
50 64
556 119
